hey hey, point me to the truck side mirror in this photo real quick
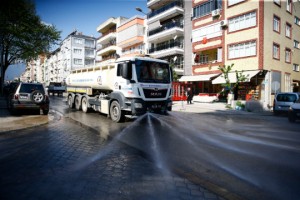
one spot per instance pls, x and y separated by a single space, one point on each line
126 70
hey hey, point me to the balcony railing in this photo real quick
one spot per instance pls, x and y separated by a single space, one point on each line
165 8
166 46
166 27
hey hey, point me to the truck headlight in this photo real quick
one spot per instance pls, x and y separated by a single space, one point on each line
138 105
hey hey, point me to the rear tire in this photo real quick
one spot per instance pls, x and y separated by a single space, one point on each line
70 102
45 112
84 105
77 103
116 113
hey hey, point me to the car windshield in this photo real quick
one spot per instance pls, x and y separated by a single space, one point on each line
28 88
155 72
286 97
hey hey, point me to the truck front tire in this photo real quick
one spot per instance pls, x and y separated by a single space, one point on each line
115 112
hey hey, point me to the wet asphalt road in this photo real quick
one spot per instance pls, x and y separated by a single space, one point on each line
254 157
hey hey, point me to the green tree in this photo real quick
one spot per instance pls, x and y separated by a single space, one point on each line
240 77
23 36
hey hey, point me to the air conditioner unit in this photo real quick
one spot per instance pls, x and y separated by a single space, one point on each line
215 13
223 23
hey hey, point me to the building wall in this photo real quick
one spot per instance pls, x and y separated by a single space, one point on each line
242 36
188 56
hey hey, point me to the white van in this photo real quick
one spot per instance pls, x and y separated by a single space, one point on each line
283 101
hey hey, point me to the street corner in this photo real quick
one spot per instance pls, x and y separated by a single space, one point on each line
14 123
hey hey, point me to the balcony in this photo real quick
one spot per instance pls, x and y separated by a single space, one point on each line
166 12
172 48
168 30
111 35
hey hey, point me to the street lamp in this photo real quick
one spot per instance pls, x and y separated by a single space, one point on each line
140 10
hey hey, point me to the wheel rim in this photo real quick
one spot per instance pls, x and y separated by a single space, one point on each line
38 97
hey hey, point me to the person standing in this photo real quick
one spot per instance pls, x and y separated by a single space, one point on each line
189 96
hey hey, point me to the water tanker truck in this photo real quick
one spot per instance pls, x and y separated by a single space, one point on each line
130 88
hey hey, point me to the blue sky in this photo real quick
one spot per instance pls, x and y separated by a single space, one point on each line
83 15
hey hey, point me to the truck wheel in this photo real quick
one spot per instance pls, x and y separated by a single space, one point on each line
115 112
84 105
77 103
70 102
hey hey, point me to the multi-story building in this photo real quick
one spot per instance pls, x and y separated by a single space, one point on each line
76 51
107 49
166 32
261 39
131 36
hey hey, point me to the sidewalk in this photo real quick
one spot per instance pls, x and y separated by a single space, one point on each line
220 107
14 123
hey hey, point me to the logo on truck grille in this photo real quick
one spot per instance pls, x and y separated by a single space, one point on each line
155 93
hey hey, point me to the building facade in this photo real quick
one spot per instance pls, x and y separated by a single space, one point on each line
107 49
165 22
260 39
131 36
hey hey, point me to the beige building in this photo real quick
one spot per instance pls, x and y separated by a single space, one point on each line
131 36
261 39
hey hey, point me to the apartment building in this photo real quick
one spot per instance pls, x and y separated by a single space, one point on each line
261 39
107 48
76 51
131 36
166 32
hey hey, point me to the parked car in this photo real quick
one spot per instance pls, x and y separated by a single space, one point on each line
294 111
29 96
283 101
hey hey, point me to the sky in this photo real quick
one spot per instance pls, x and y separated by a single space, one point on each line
83 15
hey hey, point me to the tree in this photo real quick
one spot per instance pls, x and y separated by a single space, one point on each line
23 36
240 77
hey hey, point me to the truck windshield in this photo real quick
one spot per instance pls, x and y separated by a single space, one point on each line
148 71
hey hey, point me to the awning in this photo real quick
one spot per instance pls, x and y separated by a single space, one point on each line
232 77
205 77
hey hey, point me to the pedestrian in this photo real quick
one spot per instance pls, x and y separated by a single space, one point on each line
189 96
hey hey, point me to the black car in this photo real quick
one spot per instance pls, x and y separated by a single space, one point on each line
29 96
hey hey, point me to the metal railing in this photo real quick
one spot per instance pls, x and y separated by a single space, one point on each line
166 27
165 8
170 45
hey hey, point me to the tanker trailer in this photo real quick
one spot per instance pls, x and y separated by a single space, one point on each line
129 88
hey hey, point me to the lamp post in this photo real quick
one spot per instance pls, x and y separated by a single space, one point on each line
140 10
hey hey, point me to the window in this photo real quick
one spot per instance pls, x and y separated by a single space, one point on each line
207 7
232 2
203 59
276 52
242 22
296 44
297 20
77 51
276 24
296 67
288 30
242 50
78 41
287 55
289 6
77 61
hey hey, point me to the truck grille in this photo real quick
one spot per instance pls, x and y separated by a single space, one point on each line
155 93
